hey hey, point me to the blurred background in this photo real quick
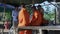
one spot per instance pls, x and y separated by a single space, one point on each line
51 10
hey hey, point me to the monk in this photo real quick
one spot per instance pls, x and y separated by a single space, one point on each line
44 22
23 19
36 18
41 10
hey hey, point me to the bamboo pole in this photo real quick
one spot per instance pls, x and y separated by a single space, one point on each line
4 14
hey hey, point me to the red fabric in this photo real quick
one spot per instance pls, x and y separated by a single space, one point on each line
37 18
27 32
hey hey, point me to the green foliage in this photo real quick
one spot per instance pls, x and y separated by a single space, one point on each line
1 9
49 16
8 15
29 9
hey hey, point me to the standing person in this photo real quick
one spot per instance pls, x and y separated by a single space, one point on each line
23 19
6 24
41 10
36 18
14 16
44 22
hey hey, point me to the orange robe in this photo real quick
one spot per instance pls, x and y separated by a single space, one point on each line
23 19
37 18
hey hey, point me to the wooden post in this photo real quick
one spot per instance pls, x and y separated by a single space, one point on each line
40 31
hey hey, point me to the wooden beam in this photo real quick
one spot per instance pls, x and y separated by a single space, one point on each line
40 27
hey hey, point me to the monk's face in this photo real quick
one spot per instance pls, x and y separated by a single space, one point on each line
33 8
39 7
22 6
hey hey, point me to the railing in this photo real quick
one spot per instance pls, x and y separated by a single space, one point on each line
39 28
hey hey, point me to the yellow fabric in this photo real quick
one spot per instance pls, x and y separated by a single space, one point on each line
23 19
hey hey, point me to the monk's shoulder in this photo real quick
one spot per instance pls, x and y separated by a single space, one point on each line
22 10
25 10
